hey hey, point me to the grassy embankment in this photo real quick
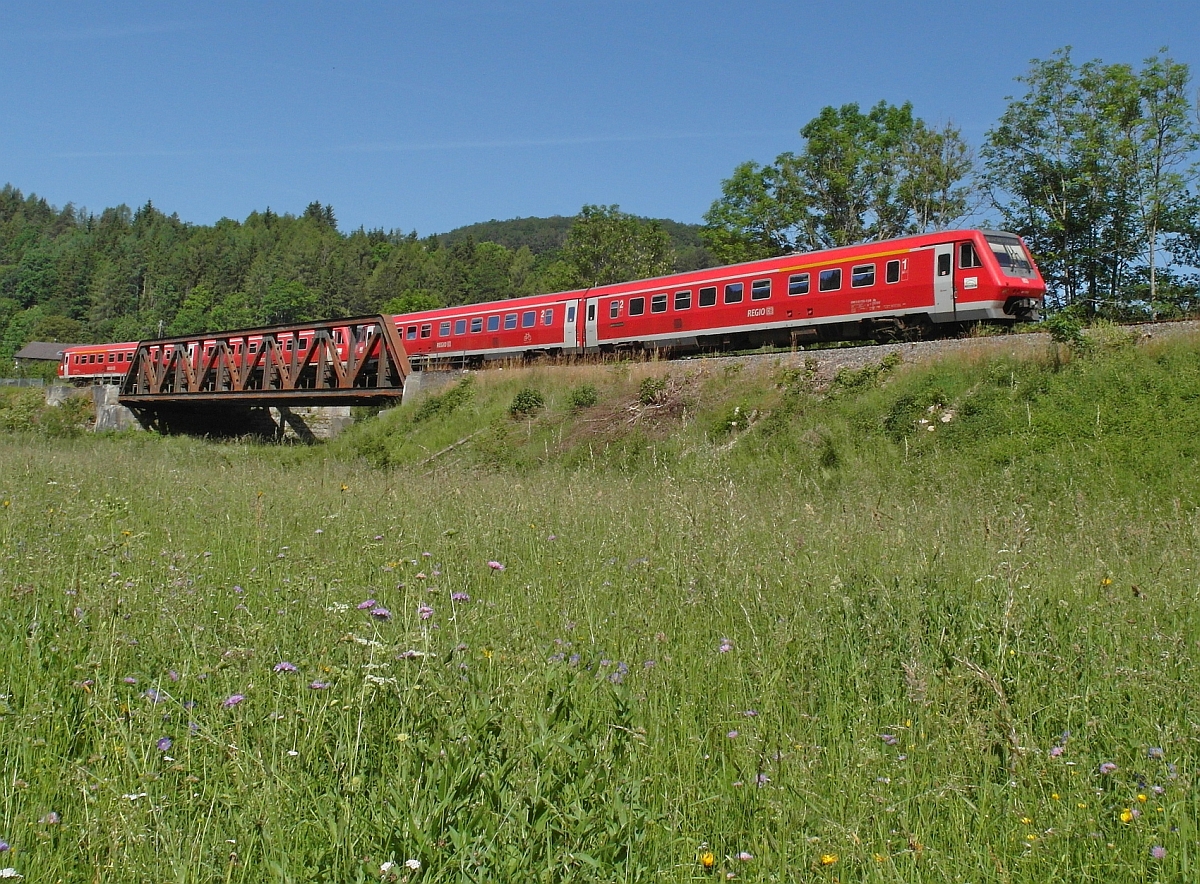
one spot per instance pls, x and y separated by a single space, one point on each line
934 623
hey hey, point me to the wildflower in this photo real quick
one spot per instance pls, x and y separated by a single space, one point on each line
320 531
725 647
163 744
414 864
1056 751
4 845
745 857
1141 798
649 664
319 685
366 603
828 859
173 675
10 872
424 612
1108 767
1026 820
889 739
50 819
1106 581
129 679
385 868
733 735
1127 815
154 696
232 700
707 860
1158 852
420 575
1154 752
381 613
459 597
495 566
284 666
750 713
762 779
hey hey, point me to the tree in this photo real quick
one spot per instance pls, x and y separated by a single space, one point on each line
289 301
605 245
860 176
1092 166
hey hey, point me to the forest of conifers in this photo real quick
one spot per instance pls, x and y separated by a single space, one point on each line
1096 165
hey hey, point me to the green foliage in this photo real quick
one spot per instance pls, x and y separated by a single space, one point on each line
606 245
583 396
446 403
860 176
1067 330
651 389
526 403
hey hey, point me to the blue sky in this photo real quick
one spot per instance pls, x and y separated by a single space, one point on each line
428 116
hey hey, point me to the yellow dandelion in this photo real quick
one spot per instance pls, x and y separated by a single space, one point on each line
1054 796
345 487
487 653
1031 837
707 860
1026 820
828 859
1082 805
1106 581
1127 815
1141 799
879 858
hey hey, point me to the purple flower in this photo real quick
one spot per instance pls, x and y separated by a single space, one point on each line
129 679
459 597
1056 751
424 612
163 744
284 666
1108 767
50 819
173 675
4 845
1157 852
232 700
155 696
889 739
426 555
381 613
762 779
751 713
238 589
495 566
649 664
726 646
745 857
364 605
379 537
1154 752
319 685
733 735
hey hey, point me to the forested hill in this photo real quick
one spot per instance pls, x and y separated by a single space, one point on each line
71 275
548 236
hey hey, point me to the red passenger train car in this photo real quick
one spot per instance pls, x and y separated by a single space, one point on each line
912 285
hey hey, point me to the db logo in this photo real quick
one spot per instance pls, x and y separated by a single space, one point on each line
528 338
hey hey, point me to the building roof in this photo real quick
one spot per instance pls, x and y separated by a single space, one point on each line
42 350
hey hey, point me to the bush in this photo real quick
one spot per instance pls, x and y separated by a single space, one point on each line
651 390
581 397
527 403
458 395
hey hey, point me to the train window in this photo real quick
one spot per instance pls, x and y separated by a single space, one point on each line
528 319
760 290
798 284
943 265
460 326
658 303
591 313
444 330
112 357
476 325
892 273
683 300
614 309
968 257
548 316
733 292
426 330
708 296
411 334
830 280
253 348
862 276
288 344
571 313
637 306
494 323
510 320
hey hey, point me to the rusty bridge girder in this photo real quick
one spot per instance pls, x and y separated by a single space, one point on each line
358 361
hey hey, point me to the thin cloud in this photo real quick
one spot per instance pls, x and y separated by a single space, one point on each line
101 32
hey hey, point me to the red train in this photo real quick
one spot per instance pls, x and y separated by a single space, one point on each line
915 285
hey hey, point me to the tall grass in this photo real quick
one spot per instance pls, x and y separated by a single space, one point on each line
744 614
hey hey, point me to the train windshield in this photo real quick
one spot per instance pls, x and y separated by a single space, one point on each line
1014 261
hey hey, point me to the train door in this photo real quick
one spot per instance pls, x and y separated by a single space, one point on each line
943 282
570 324
591 337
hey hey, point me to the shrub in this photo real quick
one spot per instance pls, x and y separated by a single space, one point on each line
527 403
651 390
581 397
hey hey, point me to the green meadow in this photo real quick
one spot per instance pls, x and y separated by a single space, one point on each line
918 622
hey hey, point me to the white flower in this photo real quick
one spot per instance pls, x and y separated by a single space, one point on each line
386 868
414 864
10 873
